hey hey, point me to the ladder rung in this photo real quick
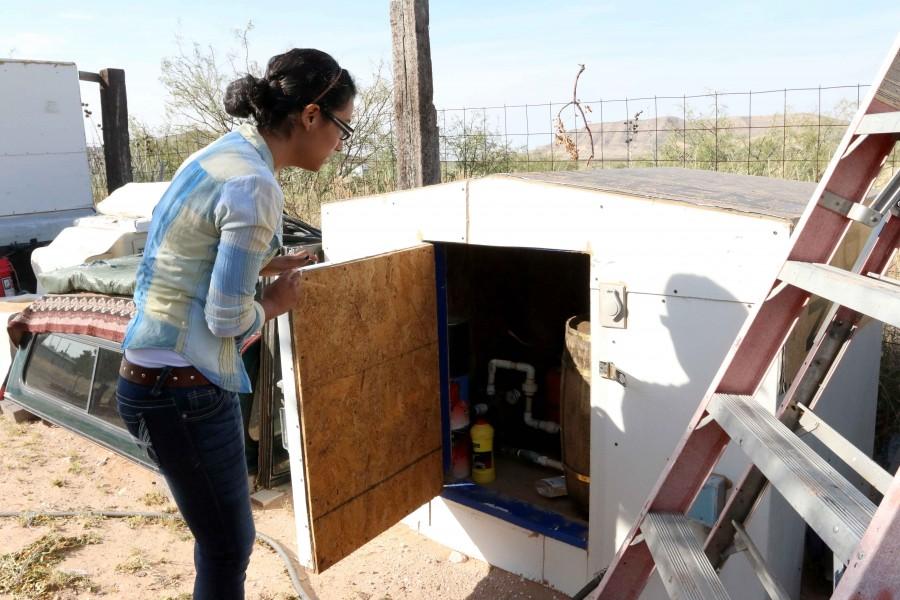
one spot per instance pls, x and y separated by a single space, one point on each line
877 299
852 456
835 509
759 566
685 571
875 123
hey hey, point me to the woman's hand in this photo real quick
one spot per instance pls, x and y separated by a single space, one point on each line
282 294
280 264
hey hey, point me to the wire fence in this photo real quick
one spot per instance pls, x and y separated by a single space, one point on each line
788 133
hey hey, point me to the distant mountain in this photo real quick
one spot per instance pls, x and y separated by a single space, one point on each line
654 133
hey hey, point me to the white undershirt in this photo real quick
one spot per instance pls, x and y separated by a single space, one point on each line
155 358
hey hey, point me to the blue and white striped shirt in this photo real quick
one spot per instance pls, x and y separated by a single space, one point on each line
216 226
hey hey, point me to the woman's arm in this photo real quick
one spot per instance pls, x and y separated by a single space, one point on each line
246 215
280 264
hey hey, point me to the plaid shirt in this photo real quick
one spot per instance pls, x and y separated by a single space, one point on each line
216 226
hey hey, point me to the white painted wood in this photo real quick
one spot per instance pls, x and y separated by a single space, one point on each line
669 354
419 519
565 566
43 160
639 241
295 444
487 538
368 226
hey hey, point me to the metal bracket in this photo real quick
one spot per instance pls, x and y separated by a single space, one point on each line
609 371
852 210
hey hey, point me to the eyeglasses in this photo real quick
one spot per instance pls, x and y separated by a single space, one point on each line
346 130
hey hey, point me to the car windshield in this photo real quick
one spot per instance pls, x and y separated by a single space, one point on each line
61 367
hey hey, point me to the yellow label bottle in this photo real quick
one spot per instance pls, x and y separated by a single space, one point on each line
483 452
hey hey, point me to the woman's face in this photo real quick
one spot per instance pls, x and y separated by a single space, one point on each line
315 135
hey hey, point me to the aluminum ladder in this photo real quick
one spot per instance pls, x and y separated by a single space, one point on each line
863 536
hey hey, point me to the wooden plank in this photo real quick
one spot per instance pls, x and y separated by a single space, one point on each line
366 355
418 154
90 77
114 109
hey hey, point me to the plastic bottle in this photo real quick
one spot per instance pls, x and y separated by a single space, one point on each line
460 455
483 470
7 278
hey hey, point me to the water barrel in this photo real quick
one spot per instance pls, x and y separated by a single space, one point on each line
575 410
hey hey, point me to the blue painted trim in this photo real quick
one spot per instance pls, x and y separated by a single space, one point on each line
517 512
440 275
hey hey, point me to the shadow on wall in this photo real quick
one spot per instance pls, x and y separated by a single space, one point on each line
671 350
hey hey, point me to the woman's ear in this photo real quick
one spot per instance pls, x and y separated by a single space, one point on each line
308 116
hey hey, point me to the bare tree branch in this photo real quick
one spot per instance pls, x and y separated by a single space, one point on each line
562 136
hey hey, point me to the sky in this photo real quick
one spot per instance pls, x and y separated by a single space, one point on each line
484 53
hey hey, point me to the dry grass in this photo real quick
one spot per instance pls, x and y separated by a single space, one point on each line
30 572
154 499
138 563
176 526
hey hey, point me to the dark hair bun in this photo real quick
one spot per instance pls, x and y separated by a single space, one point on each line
293 80
246 97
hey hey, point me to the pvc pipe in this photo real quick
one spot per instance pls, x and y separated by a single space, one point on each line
529 387
548 426
536 458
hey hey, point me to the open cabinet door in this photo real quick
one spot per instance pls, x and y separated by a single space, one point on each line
364 381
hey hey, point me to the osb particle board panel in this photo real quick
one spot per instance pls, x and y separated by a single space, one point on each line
365 340
361 519
357 314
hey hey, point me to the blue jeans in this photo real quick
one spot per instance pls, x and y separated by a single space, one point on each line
195 435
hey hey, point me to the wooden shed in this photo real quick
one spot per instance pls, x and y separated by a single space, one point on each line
666 262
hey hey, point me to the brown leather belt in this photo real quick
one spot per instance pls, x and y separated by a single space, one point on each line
178 376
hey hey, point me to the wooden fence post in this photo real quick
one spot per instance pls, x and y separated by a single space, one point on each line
114 109
415 119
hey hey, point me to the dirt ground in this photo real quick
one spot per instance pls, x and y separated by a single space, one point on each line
46 468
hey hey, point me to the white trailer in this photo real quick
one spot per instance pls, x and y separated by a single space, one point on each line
45 181
689 254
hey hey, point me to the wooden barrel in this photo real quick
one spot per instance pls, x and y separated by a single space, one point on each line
575 410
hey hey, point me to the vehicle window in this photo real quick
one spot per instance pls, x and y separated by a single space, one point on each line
103 395
61 367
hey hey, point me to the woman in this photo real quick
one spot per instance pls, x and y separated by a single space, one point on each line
215 230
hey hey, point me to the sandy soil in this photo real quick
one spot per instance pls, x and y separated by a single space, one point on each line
48 468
